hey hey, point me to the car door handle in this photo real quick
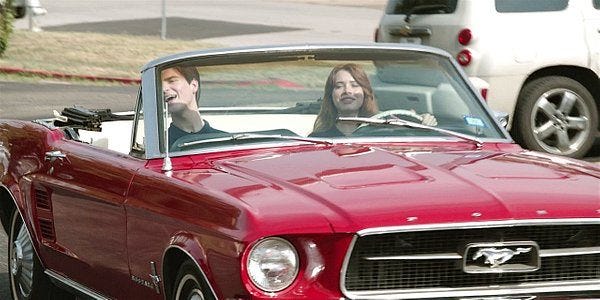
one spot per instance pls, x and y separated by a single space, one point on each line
54 155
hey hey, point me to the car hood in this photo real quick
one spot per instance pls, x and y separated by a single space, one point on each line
359 187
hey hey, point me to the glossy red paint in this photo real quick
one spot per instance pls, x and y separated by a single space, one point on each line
113 214
420 185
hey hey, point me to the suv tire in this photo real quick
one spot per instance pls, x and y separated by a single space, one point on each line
557 115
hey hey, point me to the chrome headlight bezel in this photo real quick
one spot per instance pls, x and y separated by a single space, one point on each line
280 255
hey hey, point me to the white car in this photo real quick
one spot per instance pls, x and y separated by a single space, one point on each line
541 59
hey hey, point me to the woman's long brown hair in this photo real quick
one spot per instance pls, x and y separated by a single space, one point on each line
328 114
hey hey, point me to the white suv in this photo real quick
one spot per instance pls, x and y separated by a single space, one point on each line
541 59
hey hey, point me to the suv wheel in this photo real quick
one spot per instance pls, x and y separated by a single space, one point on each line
557 115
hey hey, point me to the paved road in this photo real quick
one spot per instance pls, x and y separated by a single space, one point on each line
28 101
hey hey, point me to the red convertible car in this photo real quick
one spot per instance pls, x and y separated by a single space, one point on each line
295 172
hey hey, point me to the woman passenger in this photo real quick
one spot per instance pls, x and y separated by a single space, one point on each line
348 93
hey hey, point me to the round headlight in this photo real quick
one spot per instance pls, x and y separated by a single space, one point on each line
273 264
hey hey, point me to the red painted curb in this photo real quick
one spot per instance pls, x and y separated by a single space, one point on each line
43 73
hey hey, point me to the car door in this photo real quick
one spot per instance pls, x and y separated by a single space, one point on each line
592 28
80 215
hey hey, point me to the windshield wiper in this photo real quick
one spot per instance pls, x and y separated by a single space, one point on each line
402 123
253 136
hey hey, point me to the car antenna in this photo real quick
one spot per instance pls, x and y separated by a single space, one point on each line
167 167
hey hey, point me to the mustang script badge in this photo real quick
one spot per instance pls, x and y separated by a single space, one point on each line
496 257
501 257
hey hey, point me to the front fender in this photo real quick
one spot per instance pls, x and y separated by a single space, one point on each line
185 246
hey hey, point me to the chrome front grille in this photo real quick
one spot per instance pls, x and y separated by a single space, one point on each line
416 259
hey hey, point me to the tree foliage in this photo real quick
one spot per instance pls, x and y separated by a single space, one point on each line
6 27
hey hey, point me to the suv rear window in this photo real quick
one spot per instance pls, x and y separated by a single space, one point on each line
509 6
404 7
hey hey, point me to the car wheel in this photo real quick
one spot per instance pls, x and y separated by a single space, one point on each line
26 275
556 115
189 284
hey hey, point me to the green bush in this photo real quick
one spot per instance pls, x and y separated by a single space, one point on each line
6 27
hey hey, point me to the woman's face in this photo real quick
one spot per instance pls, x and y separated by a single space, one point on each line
348 95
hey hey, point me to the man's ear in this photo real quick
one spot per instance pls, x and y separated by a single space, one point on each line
194 84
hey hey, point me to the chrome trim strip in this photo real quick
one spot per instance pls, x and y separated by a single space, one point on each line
469 225
368 141
569 251
416 257
554 287
150 109
244 109
345 264
75 285
297 49
543 253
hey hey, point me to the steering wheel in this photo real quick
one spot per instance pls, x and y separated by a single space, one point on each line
368 129
399 112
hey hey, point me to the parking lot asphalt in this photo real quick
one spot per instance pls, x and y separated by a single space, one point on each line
178 28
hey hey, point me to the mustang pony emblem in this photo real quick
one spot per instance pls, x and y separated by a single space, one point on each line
496 257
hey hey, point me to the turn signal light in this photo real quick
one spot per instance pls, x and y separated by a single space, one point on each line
464 57
465 36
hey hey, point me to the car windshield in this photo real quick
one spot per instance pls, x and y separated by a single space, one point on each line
302 99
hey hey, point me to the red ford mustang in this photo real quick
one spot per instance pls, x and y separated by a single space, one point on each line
295 172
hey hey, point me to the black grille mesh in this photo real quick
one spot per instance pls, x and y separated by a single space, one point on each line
364 275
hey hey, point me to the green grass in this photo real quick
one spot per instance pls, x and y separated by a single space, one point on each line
88 53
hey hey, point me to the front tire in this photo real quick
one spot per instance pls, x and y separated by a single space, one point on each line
556 115
26 275
189 284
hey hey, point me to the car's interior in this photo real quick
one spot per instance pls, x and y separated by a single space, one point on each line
284 99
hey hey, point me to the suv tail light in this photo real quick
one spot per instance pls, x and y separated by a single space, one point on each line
464 57
465 36
484 94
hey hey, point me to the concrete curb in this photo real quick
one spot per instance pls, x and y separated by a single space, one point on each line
59 75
